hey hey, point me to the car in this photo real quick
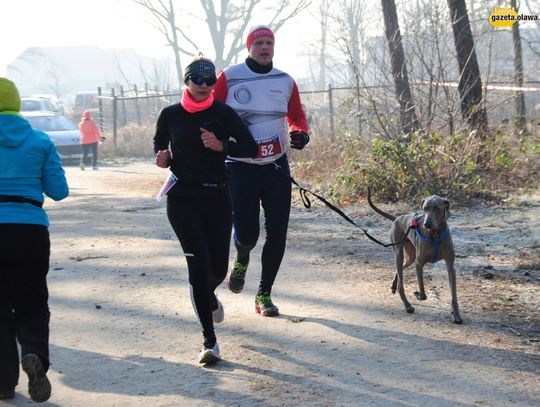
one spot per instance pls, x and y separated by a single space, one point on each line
34 104
56 103
62 131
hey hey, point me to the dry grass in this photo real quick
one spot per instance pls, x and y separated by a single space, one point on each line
341 167
132 141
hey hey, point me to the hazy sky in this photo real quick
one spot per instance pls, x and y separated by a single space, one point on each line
106 23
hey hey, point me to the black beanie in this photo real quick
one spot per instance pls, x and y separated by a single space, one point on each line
201 67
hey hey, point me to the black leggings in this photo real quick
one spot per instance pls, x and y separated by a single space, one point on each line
253 186
203 227
24 312
88 149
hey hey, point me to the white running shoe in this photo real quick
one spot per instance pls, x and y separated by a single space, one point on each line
218 315
210 355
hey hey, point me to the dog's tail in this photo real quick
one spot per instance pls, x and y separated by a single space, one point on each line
380 212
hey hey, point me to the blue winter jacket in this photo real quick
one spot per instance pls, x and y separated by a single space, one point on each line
29 167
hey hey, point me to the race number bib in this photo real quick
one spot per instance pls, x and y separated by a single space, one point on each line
269 146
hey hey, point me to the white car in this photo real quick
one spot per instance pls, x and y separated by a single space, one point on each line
62 131
56 103
34 104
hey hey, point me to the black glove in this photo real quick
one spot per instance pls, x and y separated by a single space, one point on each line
299 139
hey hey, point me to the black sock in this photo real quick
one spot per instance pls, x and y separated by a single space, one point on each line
209 341
242 252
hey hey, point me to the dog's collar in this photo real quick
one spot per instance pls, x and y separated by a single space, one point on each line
415 222
433 239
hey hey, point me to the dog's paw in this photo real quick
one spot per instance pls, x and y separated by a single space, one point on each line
409 309
421 297
457 319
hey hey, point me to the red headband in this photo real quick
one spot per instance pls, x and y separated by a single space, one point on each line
260 31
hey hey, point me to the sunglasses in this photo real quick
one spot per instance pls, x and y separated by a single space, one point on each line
199 80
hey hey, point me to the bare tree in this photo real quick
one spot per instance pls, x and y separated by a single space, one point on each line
409 121
534 42
165 21
518 74
470 82
429 59
349 38
322 19
228 26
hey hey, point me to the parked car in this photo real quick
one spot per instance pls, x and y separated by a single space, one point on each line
33 104
57 104
62 131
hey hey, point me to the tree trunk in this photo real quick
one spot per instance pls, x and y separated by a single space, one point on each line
409 121
323 8
470 82
518 74
174 45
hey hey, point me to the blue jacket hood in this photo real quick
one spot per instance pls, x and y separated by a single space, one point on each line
14 129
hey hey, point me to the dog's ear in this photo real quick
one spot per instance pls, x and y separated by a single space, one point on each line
446 204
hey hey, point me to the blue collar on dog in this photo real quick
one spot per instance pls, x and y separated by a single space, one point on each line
435 241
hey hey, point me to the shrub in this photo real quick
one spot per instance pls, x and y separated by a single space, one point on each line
132 141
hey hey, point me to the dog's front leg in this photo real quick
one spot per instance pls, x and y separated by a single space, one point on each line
453 290
421 293
399 273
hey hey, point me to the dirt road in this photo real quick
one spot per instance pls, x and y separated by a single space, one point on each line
123 332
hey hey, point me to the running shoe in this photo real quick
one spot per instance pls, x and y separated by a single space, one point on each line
39 386
209 355
265 306
237 277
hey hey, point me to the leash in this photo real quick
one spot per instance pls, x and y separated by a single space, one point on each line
307 204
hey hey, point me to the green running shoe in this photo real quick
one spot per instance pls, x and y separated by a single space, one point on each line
265 306
237 277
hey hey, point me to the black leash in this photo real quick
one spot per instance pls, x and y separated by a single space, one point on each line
307 204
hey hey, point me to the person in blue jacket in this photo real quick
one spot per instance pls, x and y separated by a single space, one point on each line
29 168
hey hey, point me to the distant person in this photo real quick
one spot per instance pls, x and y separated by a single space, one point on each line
194 137
90 137
29 167
267 99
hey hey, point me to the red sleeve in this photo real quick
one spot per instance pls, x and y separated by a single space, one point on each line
295 114
220 88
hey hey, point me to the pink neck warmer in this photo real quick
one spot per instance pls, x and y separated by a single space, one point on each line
192 106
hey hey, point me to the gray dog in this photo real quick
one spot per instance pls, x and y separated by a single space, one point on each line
428 240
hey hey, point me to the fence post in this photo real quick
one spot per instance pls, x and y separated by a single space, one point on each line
137 109
358 106
115 116
100 105
124 116
331 110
